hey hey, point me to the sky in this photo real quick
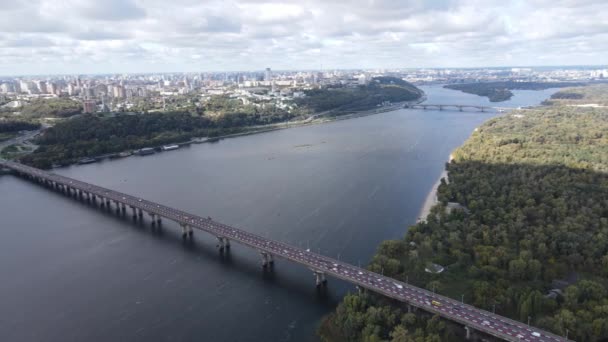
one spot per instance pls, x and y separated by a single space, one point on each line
120 36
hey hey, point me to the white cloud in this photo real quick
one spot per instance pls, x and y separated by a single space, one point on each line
76 36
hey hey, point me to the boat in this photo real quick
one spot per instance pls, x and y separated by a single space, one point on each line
87 161
125 154
146 151
170 147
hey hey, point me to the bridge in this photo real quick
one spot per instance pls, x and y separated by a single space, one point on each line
452 106
473 319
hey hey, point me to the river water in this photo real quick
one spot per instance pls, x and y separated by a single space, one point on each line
73 273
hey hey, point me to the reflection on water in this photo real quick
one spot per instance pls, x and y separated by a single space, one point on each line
72 273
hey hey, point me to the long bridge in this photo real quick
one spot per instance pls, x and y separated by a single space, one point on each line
459 107
472 318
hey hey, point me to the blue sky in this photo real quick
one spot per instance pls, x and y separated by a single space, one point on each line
92 36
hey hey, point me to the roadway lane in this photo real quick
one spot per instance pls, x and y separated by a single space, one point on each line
448 308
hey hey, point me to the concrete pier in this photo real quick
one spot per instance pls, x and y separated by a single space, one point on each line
267 259
223 242
319 278
186 231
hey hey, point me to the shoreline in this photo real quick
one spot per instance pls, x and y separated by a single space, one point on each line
431 199
312 120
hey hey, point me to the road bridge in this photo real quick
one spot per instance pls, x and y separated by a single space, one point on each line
472 318
459 107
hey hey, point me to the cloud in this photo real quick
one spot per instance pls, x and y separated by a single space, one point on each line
108 10
75 36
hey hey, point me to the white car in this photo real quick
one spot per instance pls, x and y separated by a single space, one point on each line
398 286
485 323
535 334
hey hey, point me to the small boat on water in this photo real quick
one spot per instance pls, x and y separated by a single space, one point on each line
125 154
87 161
145 151
170 147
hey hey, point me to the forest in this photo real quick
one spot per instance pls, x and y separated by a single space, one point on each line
17 125
91 135
501 91
342 100
596 94
531 242
50 108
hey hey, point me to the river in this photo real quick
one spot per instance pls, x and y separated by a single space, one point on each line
72 273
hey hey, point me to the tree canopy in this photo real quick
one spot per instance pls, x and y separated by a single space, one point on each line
535 187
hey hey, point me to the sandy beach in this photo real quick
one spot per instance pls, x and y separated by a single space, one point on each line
431 198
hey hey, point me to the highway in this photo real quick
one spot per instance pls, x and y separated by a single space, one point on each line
453 310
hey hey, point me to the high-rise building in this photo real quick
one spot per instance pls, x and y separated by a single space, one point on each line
88 106
41 85
268 75
118 91
6 88
31 88
23 86
54 89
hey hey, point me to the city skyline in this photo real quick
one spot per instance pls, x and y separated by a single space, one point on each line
149 36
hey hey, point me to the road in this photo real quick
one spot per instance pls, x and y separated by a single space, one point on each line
20 139
467 315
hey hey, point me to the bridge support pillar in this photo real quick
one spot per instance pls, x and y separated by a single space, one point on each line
319 278
134 211
186 231
123 207
153 218
267 259
223 243
140 213
468 332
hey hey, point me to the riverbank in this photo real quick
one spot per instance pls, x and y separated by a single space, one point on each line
157 144
431 199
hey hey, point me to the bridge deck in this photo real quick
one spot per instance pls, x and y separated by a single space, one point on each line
448 308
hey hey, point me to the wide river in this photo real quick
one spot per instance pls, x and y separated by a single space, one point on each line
73 273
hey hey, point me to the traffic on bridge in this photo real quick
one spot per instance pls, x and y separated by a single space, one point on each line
473 319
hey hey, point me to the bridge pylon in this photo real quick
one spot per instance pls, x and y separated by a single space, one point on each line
186 231
320 279
223 243
267 259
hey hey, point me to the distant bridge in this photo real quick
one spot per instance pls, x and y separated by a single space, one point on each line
472 318
459 107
